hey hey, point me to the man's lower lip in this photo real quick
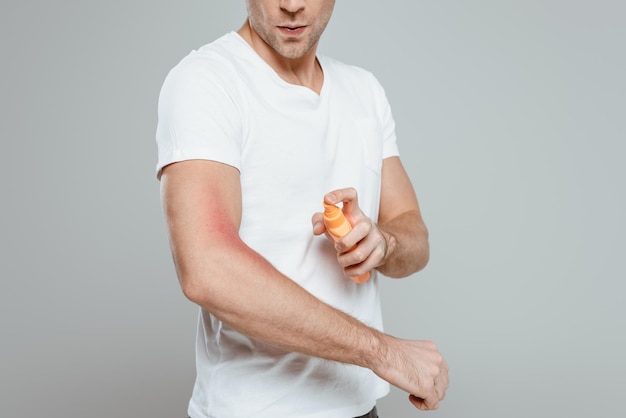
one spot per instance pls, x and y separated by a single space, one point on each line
292 31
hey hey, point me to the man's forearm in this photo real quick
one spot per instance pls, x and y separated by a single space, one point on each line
407 245
251 296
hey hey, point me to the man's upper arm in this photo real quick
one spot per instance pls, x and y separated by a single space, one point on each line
397 194
202 205
400 217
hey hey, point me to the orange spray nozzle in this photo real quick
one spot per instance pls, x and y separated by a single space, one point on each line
335 221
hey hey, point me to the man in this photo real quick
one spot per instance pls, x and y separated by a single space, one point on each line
255 132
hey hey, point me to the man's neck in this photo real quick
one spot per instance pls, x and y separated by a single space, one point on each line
304 71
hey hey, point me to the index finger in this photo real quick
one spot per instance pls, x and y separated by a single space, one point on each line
345 196
349 198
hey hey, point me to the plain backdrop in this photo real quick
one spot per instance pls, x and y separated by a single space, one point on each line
511 123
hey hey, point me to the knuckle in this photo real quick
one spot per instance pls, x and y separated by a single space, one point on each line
358 255
434 371
428 388
379 252
430 345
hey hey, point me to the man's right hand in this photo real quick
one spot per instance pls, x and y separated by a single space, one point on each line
416 367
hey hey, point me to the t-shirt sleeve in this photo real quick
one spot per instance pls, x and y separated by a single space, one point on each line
197 117
390 146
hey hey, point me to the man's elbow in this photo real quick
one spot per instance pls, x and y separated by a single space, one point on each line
193 290
208 276
422 259
423 253
195 281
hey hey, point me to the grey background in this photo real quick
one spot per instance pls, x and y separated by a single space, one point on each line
510 117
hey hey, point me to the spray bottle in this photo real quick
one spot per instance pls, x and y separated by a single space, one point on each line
337 226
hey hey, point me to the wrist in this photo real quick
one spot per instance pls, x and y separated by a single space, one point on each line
390 245
376 358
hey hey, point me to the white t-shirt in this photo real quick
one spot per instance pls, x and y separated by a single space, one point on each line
291 146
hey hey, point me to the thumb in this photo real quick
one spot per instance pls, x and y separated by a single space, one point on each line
423 404
317 221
